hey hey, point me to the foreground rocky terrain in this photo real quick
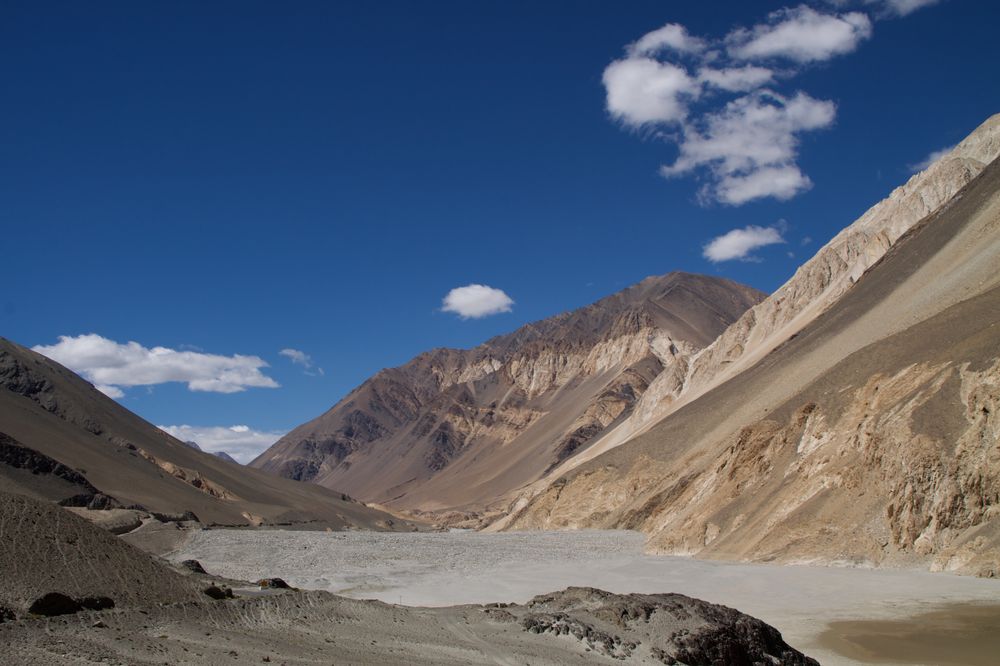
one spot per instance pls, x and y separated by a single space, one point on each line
79 595
457 429
64 441
866 433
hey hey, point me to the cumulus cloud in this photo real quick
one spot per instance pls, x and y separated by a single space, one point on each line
800 34
740 243
112 365
930 159
642 91
475 301
672 36
750 146
720 100
240 441
736 79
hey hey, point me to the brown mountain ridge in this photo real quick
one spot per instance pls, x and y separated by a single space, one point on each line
63 440
458 429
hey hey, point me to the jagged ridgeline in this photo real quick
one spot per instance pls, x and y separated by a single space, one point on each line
852 415
461 428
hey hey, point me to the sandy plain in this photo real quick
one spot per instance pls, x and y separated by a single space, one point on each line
839 615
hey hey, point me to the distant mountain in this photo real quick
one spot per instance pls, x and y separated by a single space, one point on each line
851 416
459 429
228 458
220 454
62 440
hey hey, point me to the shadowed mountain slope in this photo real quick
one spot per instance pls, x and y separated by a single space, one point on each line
460 428
62 438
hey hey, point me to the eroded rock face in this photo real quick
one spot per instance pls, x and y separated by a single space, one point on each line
672 628
868 436
815 286
464 427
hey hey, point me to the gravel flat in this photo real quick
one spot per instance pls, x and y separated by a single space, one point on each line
443 569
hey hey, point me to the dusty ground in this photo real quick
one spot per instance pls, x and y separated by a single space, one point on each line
442 569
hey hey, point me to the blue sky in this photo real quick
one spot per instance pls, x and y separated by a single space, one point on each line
220 179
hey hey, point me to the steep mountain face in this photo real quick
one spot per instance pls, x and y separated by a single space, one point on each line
62 440
460 428
868 433
816 285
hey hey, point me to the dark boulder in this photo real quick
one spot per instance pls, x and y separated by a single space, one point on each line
194 566
55 603
218 593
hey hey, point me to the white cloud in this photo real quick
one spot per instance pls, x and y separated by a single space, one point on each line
800 34
903 7
301 358
736 79
930 159
641 91
475 301
110 391
720 100
240 441
111 365
779 182
671 36
739 243
297 357
750 146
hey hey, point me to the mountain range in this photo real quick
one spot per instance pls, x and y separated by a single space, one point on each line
458 429
849 416
63 440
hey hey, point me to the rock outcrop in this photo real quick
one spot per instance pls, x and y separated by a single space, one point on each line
460 428
670 628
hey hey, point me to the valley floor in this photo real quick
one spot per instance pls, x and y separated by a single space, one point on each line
837 615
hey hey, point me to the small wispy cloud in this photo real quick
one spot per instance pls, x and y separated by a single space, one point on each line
930 159
901 7
475 301
112 366
240 441
740 243
302 359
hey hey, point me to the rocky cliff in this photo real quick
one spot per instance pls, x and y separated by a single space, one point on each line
814 287
460 428
866 433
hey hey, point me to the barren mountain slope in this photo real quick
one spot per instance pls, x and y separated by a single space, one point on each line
870 436
62 437
816 285
46 549
460 428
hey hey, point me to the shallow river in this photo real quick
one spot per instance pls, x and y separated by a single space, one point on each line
820 610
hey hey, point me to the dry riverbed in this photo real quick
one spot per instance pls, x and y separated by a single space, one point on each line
820 610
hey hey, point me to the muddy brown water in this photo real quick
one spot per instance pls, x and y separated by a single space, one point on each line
956 634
